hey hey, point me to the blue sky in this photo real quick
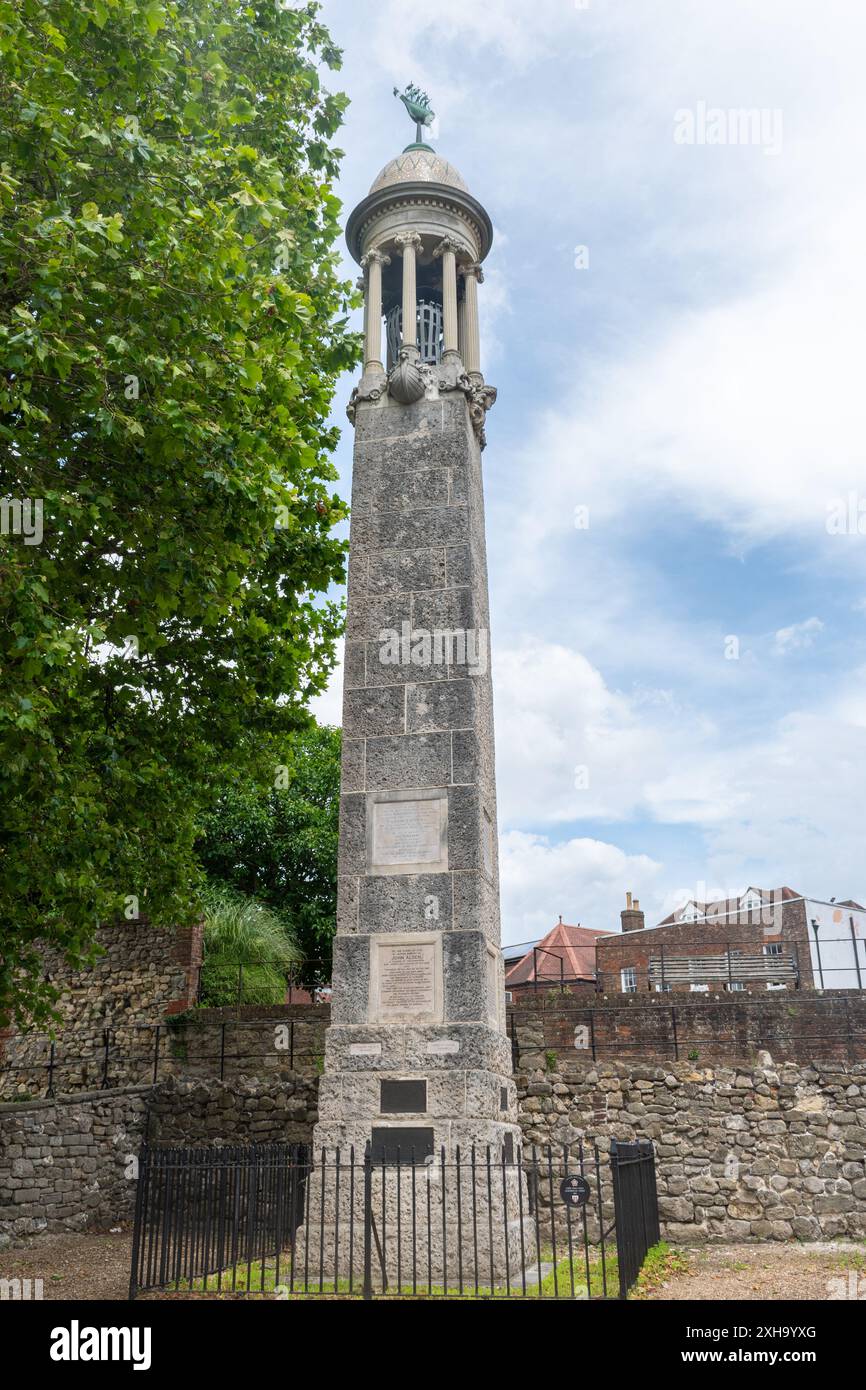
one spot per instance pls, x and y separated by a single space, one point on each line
699 388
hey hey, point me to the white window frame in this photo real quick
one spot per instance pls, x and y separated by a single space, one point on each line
628 979
699 989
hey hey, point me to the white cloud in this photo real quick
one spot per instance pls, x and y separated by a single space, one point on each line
569 748
706 367
797 636
584 880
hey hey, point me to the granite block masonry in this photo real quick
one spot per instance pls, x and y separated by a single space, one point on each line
417 1045
417 1060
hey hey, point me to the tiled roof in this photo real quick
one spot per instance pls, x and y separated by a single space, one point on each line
573 946
730 907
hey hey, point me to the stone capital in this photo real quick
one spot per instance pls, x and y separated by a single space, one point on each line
375 256
472 268
404 239
449 244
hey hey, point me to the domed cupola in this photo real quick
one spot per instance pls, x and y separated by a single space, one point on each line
420 237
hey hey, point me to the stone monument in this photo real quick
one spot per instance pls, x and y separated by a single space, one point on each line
417 1059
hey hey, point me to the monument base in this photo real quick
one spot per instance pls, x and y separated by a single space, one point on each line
456 1224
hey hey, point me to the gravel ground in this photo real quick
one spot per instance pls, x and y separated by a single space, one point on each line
767 1272
97 1267
74 1267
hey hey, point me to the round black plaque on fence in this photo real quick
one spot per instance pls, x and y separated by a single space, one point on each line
574 1191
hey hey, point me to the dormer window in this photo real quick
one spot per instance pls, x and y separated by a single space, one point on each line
689 913
751 902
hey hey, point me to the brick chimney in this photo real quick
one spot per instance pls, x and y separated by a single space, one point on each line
631 916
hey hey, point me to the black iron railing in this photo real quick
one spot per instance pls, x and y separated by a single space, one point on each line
276 1220
637 1209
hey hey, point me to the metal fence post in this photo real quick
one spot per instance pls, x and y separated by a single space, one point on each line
368 1222
140 1190
856 953
619 1220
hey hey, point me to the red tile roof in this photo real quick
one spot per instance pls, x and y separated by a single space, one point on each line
572 946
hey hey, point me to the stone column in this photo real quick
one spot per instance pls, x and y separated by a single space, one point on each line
409 243
472 275
448 249
372 264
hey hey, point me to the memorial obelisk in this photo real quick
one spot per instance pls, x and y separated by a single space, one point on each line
417 1058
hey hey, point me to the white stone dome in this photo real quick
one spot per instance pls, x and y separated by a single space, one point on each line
418 165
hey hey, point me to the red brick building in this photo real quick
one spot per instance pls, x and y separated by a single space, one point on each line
767 939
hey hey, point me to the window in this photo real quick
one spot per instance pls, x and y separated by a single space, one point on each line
735 986
699 989
776 984
689 913
628 980
751 902
663 989
773 948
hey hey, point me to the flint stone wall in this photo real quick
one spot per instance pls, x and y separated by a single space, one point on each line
68 1165
242 1111
765 1153
144 975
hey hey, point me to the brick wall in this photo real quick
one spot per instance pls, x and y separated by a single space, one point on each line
796 1026
748 932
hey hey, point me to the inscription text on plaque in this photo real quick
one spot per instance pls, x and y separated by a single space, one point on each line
407 833
407 979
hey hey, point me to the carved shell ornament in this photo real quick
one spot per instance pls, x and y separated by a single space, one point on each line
406 381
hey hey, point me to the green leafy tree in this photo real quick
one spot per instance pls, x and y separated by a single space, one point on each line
172 323
280 844
248 950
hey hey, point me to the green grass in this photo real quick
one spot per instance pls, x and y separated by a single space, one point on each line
261 1279
661 1263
